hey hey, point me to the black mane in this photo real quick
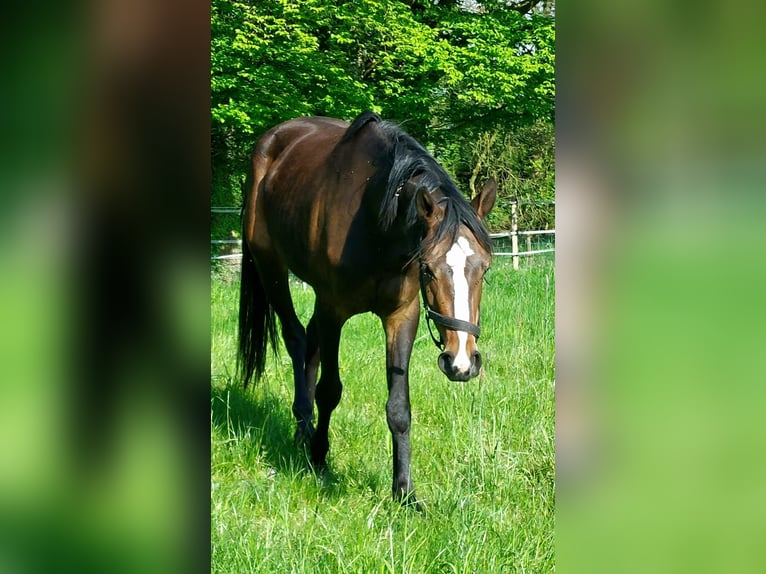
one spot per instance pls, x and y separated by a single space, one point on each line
359 122
407 159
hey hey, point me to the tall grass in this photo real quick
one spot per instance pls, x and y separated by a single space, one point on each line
482 450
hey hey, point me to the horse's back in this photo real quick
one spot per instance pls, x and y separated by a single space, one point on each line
308 188
282 138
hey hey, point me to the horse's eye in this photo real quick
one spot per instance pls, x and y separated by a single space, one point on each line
426 271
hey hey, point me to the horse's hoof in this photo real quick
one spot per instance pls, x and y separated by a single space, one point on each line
409 500
319 466
303 433
319 449
318 463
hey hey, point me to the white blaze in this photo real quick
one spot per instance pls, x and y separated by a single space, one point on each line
456 259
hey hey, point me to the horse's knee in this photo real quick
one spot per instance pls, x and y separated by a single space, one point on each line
398 417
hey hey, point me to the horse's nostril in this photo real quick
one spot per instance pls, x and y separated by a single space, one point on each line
477 360
445 362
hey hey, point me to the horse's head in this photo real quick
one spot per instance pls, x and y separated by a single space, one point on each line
452 267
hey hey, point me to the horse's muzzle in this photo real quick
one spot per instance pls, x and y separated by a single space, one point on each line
447 366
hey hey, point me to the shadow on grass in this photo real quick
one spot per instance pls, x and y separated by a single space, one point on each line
259 416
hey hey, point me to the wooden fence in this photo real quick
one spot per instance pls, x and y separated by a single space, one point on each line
514 235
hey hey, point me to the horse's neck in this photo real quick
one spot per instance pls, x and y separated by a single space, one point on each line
394 247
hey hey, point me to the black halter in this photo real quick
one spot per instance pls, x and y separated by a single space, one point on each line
443 320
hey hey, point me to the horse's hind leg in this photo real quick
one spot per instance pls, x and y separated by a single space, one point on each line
294 336
305 385
276 283
329 388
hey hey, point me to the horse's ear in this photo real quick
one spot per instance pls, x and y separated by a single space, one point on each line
428 209
485 200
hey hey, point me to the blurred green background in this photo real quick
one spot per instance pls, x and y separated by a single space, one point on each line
660 321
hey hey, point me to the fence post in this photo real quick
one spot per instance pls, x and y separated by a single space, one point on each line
515 235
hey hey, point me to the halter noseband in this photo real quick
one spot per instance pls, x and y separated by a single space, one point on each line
443 320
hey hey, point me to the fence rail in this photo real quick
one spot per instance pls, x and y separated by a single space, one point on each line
500 235
513 235
522 253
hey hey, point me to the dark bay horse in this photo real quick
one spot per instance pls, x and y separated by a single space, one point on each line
369 219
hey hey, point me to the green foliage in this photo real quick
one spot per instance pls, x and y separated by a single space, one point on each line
449 72
523 164
501 68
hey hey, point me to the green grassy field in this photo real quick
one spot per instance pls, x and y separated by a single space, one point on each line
483 451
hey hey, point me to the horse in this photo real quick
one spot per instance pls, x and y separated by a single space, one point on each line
367 217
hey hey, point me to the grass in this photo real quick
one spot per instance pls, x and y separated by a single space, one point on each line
483 454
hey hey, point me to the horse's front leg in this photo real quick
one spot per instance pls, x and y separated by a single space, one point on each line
400 328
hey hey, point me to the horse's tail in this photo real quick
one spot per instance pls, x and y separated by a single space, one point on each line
257 326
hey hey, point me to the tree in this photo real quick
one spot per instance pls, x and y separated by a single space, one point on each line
449 72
